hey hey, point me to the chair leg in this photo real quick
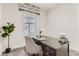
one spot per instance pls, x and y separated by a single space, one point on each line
25 50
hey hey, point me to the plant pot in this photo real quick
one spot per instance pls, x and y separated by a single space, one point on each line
7 50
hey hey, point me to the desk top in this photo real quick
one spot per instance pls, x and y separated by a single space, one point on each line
52 42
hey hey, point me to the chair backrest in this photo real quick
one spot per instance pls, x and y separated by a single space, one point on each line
30 44
29 40
37 42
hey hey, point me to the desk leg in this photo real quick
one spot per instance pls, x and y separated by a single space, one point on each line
68 50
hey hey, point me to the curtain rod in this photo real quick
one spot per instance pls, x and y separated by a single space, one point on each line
29 11
29 8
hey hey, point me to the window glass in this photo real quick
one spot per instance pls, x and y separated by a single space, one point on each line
29 25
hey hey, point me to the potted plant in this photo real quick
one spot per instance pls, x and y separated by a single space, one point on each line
7 30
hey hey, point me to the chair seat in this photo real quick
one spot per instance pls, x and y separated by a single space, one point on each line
32 47
33 50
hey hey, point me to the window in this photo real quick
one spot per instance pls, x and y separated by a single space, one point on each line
30 25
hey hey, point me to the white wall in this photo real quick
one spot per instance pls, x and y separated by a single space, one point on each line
77 22
42 22
10 13
0 27
63 20
0 14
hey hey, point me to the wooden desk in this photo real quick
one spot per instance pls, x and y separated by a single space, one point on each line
52 47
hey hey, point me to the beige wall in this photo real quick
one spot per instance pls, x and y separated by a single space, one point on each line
42 22
65 19
77 22
10 13
0 26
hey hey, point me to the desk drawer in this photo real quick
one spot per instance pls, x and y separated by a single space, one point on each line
48 51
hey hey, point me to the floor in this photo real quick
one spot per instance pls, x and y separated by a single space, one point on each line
21 52
16 52
74 53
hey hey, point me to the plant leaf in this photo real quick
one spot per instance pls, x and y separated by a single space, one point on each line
4 35
5 28
11 28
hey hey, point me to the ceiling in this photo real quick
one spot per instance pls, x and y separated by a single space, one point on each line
46 6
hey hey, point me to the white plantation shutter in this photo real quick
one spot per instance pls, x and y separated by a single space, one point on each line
30 24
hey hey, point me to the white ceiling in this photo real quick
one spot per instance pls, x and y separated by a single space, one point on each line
46 6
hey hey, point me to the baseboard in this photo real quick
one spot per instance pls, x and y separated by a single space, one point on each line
74 52
74 49
18 46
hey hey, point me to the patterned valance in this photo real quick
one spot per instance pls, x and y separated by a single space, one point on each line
29 8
